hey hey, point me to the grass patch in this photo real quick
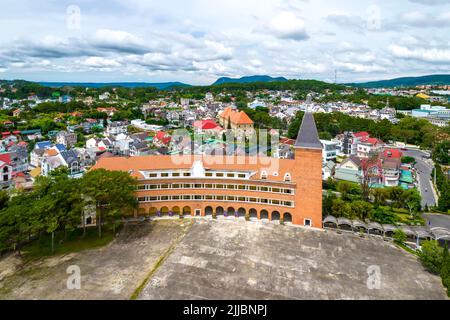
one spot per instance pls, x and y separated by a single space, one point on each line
406 248
75 242
406 219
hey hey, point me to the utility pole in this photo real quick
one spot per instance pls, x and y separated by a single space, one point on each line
335 76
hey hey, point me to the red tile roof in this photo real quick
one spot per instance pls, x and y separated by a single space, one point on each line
5 158
236 117
207 124
361 134
392 153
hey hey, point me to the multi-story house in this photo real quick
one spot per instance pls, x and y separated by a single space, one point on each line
238 121
53 160
351 140
391 163
117 127
368 147
67 139
330 150
6 171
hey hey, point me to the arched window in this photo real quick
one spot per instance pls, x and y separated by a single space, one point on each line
287 177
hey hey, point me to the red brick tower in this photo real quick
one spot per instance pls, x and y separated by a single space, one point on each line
308 174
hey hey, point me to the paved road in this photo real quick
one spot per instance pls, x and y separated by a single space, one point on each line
424 169
437 220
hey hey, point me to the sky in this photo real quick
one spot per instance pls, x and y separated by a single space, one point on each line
197 41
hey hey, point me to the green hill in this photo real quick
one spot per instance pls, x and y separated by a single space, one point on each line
438 79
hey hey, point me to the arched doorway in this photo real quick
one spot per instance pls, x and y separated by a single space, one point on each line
287 217
187 211
241 212
141 212
208 211
275 216
230 212
176 211
253 213
153 211
220 211
264 215
164 211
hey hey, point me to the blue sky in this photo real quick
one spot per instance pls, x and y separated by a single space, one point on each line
197 41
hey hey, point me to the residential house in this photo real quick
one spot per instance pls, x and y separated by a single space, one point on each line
6 172
104 96
109 111
117 127
238 121
330 150
162 139
66 138
122 144
368 146
391 164
207 126
349 170
328 170
53 160
139 148
351 141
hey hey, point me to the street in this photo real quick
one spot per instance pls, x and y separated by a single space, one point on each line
435 220
424 170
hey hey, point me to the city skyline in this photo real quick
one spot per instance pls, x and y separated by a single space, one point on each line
198 42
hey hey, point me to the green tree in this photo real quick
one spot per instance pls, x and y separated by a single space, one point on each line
340 208
379 196
431 256
396 197
384 216
445 269
361 209
112 193
344 188
399 236
412 199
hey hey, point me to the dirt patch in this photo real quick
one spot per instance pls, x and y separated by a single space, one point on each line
111 272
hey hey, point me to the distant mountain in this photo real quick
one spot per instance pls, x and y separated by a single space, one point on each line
159 86
249 79
438 79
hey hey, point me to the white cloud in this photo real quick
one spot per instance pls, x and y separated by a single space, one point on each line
287 25
432 55
196 42
358 67
100 62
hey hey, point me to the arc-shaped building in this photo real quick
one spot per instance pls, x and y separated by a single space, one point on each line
259 187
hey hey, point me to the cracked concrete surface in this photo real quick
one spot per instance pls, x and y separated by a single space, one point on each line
225 259
242 260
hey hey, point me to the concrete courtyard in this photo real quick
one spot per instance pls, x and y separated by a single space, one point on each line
246 260
224 259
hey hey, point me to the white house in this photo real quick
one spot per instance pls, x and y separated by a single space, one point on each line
117 127
330 150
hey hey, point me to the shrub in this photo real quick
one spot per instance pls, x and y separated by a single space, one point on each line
431 256
399 236
445 269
